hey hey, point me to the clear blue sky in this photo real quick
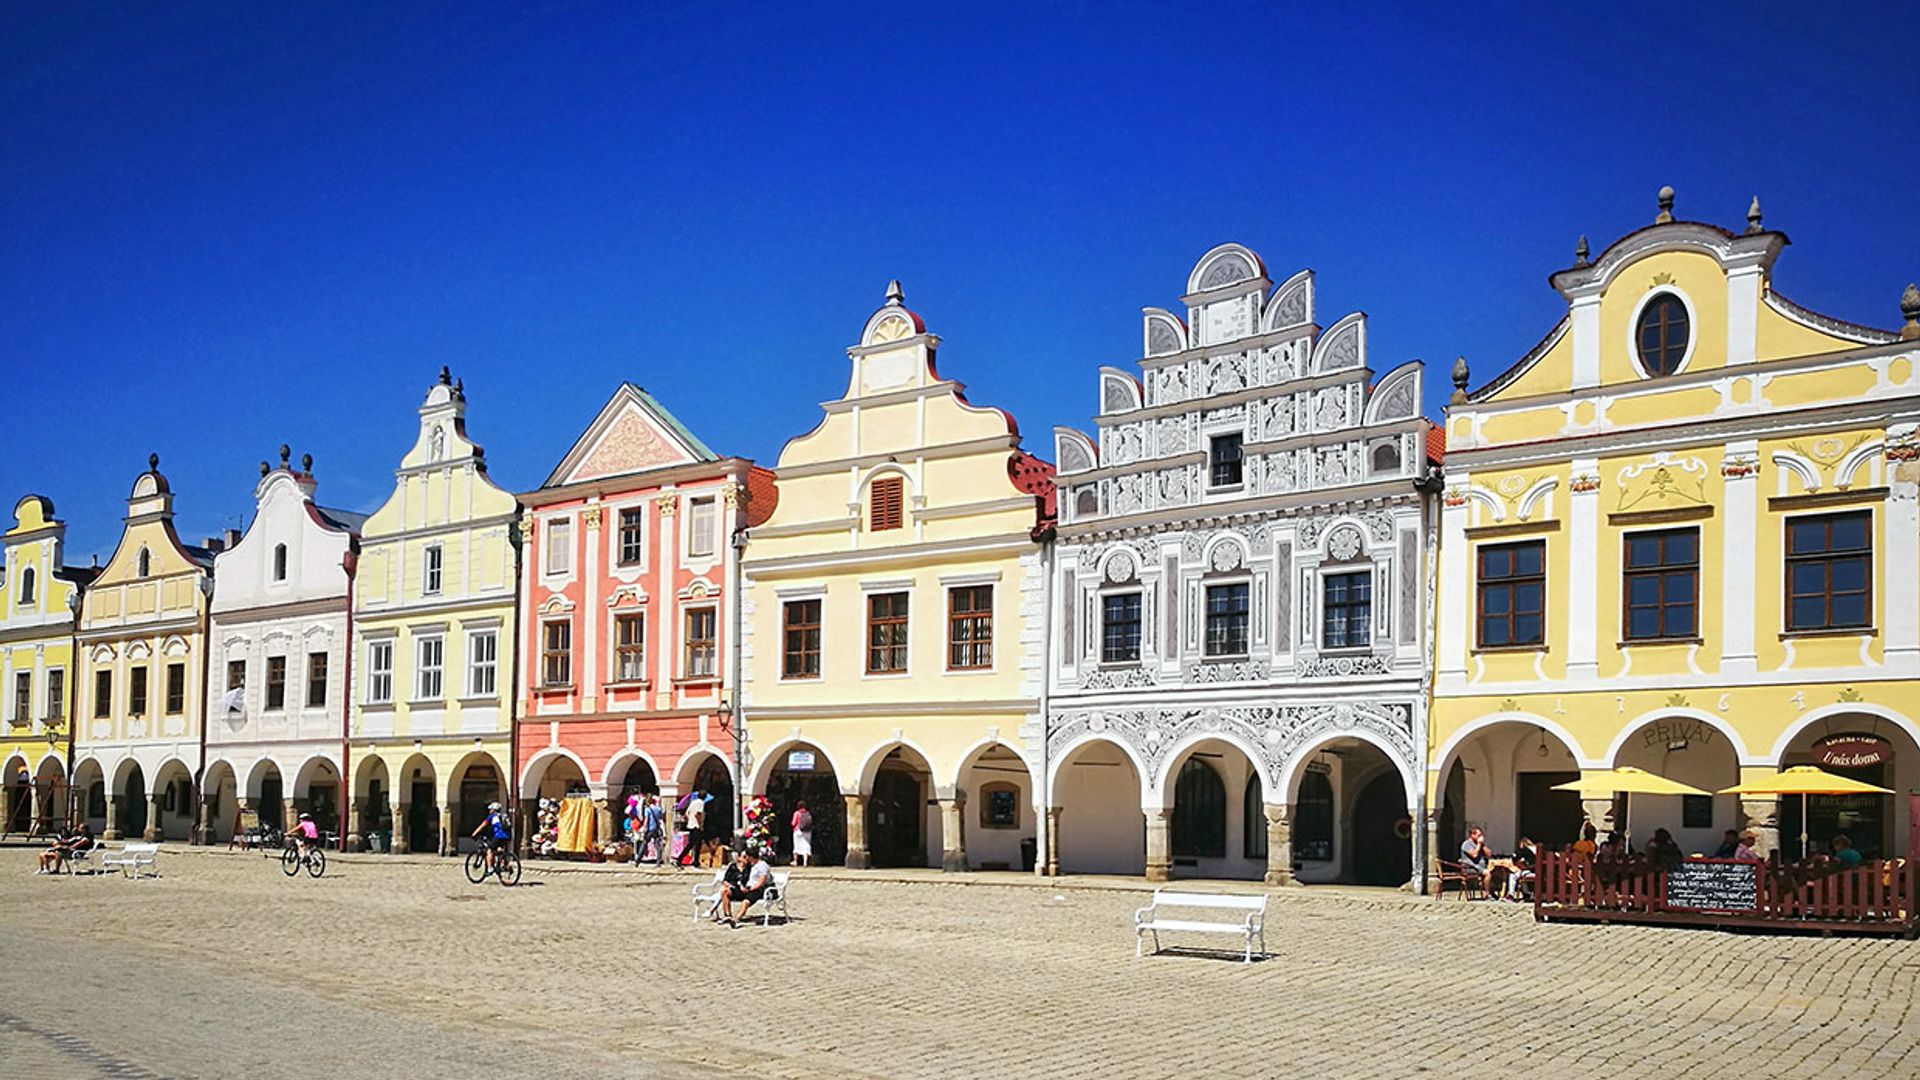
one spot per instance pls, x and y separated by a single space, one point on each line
224 227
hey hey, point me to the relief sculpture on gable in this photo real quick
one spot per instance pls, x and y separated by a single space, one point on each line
1172 437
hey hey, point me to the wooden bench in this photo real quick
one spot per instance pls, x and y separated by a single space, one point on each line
133 858
1248 915
706 896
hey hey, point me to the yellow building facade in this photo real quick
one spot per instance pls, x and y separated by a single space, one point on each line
39 595
141 672
892 661
433 629
1681 534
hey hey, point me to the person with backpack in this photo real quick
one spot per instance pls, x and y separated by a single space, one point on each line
802 835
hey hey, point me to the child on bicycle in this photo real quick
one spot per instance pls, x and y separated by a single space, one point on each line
499 833
306 834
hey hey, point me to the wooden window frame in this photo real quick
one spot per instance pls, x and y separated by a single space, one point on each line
1658 572
56 695
1244 616
629 650
630 540
22 697
276 689
137 690
556 659
1511 582
701 647
176 688
895 627
969 632
1661 304
102 694
886 504
1827 557
800 638
316 680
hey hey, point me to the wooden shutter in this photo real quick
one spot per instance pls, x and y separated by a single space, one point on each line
885 512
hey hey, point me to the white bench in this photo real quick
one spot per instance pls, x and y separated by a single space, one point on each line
133 858
1249 914
706 896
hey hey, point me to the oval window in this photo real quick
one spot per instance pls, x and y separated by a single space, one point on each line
1662 334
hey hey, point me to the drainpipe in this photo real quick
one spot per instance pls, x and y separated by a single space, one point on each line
1041 827
511 798
1429 488
73 699
737 697
350 563
206 662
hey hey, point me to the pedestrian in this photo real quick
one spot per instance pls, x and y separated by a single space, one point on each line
696 831
802 835
653 833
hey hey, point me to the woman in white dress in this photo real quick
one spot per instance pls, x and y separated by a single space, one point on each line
802 835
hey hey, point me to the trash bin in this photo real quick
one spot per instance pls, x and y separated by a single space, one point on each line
1029 850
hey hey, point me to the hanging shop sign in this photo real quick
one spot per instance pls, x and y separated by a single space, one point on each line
1852 751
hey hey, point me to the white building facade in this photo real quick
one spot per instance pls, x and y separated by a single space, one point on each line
1238 615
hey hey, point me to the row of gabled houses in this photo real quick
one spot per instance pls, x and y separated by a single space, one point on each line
1267 621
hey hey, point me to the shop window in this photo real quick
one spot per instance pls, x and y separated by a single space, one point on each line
1511 594
1120 628
1227 619
1662 584
999 805
703 642
1253 821
1224 461
1199 812
886 504
1313 819
800 639
970 627
1346 612
887 633
630 648
1661 335
1830 571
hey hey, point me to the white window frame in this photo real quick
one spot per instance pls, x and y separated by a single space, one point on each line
376 673
437 670
490 664
710 505
614 646
556 558
614 549
433 564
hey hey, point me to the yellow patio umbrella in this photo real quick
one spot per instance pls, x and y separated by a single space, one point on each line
1626 780
1805 780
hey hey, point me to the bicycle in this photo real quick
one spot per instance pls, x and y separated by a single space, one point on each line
315 860
505 866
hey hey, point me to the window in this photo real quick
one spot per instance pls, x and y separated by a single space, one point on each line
483 658
1313 816
559 546
703 642
429 664
1253 821
1696 811
1120 628
633 536
1346 611
556 653
1223 461
143 566
1227 620
137 692
236 674
1661 335
885 501
279 562
701 520
317 680
1662 584
970 627
23 697
379 672
999 805
1512 594
886 633
430 572
1199 812
629 648
102 694
176 689
56 695
26 586
276 682
1829 571
800 639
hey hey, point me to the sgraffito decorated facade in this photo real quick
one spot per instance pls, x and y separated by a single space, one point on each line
39 599
1238 627
1681 534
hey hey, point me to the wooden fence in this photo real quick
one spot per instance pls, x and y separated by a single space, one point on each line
1876 898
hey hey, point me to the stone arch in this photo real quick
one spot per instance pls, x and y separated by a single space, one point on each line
416 815
1718 724
1867 453
1160 791
1227 552
896 784
1119 391
18 784
373 796
1100 827
1290 770
1060 754
474 782
620 764
90 782
1342 346
687 769
765 763
998 805
1291 303
1224 265
1680 744
51 791
1074 451
220 794
173 786
1825 712
821 789
1807 471
1395 396
535 770
1162 332
1492 749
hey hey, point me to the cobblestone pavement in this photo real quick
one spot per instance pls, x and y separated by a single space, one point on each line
225 968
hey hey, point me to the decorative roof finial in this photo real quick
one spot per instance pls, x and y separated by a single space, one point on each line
1753 217
894 293
446 376
1580 252
285 453
1910 307
306 463
265 468
153 462
1461 376
1666 206
460 388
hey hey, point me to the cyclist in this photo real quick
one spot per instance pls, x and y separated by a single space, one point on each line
305 835
499 834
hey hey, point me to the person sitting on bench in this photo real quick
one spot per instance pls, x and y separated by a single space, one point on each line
54 858
746 882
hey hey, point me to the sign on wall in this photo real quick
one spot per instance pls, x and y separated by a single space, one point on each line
799 761
1852 751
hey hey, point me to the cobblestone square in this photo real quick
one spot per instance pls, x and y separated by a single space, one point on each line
222 967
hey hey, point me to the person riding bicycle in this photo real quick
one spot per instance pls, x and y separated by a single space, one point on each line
499 834
306 834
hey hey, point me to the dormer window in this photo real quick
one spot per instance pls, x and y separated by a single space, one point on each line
1662 334
279 562
886 504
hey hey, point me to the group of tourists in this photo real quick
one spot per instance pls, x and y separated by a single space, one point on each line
65 848
1510 877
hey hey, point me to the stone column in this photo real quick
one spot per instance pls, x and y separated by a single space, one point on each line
953 840
857 833
1051 863
204 829
400 811
155 829
1432 827
449 843
1762 817
355 809
112 831
1279 843
1159 845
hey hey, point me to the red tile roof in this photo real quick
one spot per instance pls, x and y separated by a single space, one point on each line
1436 443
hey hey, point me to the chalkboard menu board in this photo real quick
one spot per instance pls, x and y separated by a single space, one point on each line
1713 885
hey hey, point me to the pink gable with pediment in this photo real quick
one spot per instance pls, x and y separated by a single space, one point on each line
630 445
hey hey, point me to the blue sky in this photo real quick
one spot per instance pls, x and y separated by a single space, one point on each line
225 227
